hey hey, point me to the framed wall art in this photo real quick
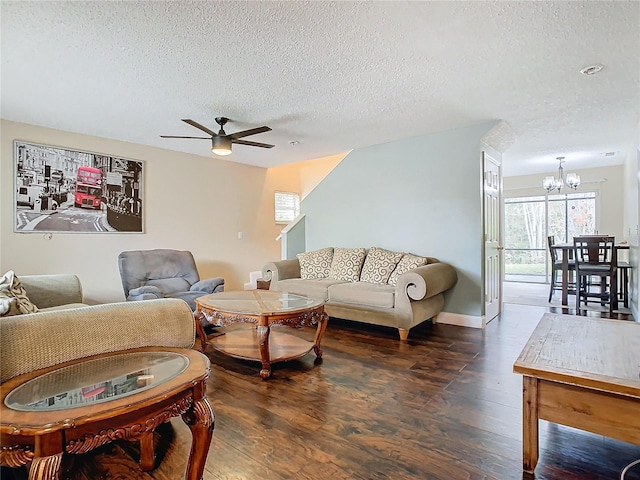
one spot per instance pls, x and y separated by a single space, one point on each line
58 189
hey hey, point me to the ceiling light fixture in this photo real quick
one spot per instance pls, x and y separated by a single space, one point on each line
550 183
591 69
221 145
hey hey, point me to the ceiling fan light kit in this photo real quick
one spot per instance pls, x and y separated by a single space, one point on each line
221 142
221 145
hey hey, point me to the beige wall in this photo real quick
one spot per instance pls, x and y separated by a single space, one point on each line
312 172
607 182
191 203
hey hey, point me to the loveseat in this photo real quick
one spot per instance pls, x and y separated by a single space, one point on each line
376 286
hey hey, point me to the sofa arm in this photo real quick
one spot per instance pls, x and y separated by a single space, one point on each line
65 335
146 292
426 281
276 271
52 290
210 285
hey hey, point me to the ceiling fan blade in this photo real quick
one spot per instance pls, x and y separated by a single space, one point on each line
175 136
253 131
252 144
201 127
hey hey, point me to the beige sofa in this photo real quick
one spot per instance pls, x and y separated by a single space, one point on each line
400 299
65 335
66 329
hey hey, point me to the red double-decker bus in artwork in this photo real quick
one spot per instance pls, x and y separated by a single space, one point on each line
88 188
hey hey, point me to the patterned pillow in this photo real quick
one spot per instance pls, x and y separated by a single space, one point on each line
315 264
13 297
406 263
347 263
379 264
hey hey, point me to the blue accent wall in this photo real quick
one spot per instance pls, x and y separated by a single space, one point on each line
421 195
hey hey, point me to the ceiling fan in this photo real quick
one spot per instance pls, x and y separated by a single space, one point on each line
221 141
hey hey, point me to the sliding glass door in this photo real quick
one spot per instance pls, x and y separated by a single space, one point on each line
530 220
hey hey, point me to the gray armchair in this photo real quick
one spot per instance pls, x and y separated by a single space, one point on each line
163 273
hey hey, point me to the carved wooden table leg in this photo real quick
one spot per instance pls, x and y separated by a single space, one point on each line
200 420
147 454
45 468
322 326
263 341
48 457
202 336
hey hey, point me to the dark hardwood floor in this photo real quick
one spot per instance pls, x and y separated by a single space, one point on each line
444 405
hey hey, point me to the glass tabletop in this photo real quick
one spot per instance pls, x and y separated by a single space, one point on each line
258 302
96 381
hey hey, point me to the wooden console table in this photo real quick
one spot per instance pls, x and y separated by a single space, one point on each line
80 405
581 372
264 309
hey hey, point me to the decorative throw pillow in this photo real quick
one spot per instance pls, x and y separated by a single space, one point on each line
13 297
379 264
315 264
347 263
406 263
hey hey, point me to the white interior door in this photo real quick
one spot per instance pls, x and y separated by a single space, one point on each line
492 193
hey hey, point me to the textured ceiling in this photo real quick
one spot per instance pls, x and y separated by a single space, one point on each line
331 75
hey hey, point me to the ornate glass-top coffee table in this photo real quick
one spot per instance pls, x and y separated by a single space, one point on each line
81 405
265 309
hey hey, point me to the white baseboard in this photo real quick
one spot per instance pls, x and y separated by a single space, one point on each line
461 320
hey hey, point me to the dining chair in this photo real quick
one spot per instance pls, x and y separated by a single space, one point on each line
595 257
623 282
556 268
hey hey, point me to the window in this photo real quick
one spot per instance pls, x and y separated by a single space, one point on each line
287 206
529 220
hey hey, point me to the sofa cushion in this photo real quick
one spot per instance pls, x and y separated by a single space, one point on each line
347 264
315 264
406 263
13 296
378 265
362 293
313 288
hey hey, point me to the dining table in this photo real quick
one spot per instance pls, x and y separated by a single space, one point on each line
567 254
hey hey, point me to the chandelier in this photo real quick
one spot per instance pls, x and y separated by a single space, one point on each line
550 183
